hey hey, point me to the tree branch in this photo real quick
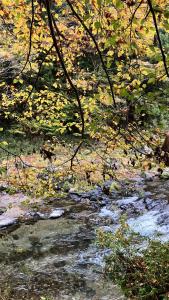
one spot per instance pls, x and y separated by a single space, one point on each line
52 31
158 37
97 48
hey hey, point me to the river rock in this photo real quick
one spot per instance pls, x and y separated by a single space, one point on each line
106 213
152 204
5 222
163 219
124 203
57 213
75 195
36 215
93 195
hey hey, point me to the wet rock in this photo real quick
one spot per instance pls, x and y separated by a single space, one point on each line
5 222
106 213
151 204
93 195
57 213
127 202
147 193
37 215
72 191
163 219
59 264
75 195
139 205
104 201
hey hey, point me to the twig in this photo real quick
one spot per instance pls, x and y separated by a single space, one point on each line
19 157
133 15
75 153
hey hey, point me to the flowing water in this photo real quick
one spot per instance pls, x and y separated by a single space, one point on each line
57 258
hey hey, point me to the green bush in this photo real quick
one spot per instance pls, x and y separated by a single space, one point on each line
142 273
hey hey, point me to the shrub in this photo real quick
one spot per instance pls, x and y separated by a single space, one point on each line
141 272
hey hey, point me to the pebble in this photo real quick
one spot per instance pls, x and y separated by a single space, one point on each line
57 213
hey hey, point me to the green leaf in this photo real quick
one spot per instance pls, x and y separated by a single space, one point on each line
119 4
97 25
112 40
99 2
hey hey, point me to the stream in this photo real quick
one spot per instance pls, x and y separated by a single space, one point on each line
51 252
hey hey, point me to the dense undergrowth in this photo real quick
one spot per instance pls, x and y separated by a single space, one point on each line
138 265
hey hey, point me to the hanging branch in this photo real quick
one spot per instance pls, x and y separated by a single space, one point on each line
97 48
158 37
133 15
30 36
73 87
60 34
52 31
